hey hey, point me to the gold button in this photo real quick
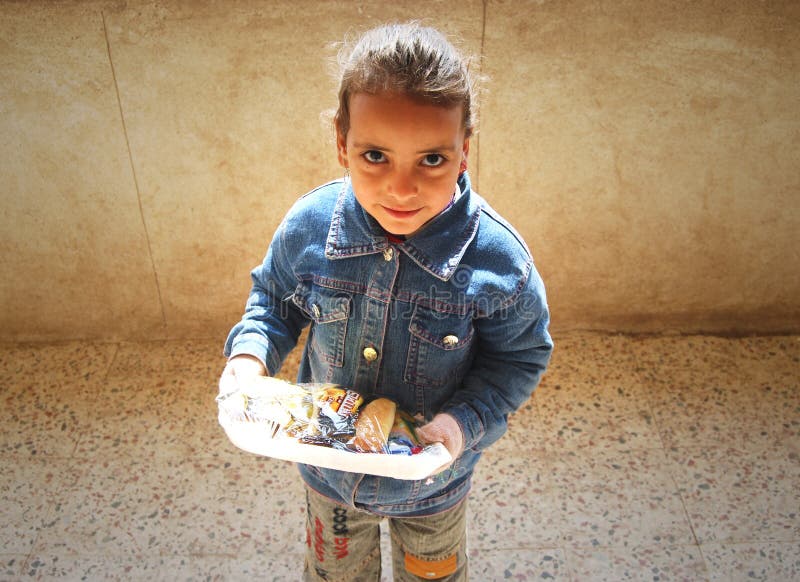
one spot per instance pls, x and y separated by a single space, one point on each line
450 341
388 253
370 354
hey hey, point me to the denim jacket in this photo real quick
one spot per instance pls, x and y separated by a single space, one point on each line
454 319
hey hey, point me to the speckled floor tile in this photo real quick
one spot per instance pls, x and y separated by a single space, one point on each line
592 358
30 490
280 566
123 506
512 505
613 470
753 561
769 354
525 434
661 356
610 517
580 414
47 419
47 395
614 498
165 568
689 411
518 564
168 356
630 451
723 392
774 420
22 365
773 383
645 564
11 566
736 495
159 400
156 413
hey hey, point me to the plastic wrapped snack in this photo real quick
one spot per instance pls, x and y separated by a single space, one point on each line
328 426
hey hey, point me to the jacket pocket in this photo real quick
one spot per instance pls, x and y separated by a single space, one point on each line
439 349
328 312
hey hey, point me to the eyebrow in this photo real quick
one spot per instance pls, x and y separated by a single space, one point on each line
371 146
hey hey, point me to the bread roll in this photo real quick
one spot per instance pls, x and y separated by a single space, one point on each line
373 426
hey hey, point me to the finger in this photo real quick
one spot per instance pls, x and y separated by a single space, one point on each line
429 436
228 382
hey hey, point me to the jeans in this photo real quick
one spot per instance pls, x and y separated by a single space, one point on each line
343 544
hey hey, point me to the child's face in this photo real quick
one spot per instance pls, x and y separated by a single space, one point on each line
404 158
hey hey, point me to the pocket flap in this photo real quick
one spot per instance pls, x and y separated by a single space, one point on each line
448 331
321 306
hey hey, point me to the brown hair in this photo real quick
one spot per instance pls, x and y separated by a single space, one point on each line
406 59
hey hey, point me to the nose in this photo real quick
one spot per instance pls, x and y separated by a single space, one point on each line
403 184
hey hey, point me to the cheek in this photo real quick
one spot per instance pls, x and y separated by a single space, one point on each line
445 184
442 201
364 187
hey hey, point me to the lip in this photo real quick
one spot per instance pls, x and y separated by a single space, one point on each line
401 214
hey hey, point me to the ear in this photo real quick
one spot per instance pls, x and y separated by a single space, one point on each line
464 156
341 148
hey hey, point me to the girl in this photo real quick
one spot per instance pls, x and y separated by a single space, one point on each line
415 290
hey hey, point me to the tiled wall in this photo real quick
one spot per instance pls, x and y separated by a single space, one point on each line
649 152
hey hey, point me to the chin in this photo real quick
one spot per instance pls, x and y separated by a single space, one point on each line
397 229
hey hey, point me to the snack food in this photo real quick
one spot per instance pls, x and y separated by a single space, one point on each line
269 401
373 426
403 439
321 424
333 413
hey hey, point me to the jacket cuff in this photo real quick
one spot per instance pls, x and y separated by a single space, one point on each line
470 423
256 345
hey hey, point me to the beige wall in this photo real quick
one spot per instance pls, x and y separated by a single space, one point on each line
648 151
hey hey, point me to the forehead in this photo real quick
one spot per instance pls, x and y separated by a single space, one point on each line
390 117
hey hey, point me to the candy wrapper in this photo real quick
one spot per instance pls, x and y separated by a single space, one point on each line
328 426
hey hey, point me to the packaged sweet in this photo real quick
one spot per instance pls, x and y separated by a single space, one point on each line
326 425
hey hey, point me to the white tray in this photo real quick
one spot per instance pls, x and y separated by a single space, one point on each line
256 438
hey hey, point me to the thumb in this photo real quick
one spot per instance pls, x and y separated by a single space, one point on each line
228 382
238 371
446 430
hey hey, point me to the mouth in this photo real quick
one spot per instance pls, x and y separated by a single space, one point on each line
401 214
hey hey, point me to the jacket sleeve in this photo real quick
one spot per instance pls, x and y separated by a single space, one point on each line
271 323
513 352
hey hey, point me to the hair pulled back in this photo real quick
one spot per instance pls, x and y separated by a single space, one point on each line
406 59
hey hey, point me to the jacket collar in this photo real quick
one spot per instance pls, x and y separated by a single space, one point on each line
437 248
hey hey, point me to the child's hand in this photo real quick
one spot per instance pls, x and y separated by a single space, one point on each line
240 368
446 430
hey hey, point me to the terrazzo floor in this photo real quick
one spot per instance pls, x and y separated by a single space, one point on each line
639 458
